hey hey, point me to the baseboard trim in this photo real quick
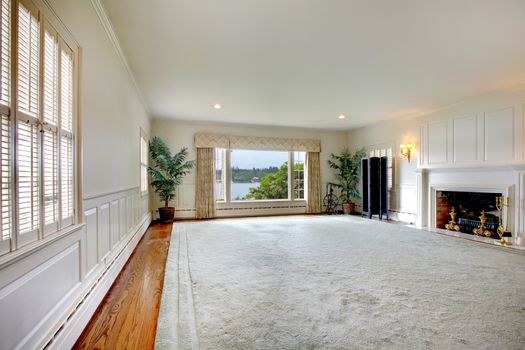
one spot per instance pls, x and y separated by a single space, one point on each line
70 330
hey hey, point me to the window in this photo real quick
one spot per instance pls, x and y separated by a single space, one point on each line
220 174
298 174
385 151
258 175
143 163
39 200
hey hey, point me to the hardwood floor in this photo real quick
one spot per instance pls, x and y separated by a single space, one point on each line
127 317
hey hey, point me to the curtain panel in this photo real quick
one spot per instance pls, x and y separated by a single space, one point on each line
205 182
256 143
313 166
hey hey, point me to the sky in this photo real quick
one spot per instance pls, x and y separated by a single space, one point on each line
246 159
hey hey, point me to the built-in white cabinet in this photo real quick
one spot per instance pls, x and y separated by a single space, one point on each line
492 137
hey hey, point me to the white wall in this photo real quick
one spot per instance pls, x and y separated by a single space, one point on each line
51 290
110 107
402 197
178 134
472 137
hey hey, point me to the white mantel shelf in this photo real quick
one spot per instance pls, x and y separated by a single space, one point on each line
516 166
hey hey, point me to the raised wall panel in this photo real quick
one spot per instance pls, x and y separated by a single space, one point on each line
129 213
136 208
90 218
103 231
31 299
114 222
499 135
123 219
437 143
465 144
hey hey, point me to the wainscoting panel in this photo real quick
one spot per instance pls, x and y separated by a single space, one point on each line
103 231
114 222
122 217
465 139
499 135
90 218
51 291
34 291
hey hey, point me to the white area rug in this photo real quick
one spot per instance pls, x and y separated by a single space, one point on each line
337 283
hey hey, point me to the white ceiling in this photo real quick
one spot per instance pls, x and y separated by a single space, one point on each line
304 62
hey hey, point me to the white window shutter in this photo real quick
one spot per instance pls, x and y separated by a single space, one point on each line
66 86
66 129
28 181
66 159
5 50
50 130
37 141
28 60
50 105
6 191
28 126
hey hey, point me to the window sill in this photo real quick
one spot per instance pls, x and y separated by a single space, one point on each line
267 200
26 250
261 201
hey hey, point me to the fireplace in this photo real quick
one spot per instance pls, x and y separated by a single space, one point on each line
469 207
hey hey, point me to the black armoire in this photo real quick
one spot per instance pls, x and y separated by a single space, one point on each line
374 180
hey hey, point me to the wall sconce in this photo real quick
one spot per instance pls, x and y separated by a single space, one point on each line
406 150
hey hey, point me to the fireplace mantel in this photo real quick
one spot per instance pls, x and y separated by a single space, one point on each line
508 180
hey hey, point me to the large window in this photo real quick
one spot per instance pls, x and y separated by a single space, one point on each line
243 175
37 127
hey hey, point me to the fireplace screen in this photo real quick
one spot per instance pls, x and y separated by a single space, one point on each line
467 209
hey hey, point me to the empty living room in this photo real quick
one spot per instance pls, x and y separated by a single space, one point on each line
293 174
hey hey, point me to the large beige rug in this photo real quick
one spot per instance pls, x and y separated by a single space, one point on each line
337 283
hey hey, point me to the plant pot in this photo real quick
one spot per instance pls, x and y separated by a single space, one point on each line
348 208
166 214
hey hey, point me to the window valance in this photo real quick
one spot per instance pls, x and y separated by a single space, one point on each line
205 140
255 142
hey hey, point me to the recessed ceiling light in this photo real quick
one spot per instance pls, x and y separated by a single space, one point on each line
342 117
217 106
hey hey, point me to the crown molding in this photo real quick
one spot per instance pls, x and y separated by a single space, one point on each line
106 23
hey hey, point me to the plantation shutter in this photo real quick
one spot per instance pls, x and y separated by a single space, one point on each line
50 130
5 61
28 125
66 134
28 59
6 222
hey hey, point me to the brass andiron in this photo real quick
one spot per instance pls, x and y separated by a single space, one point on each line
482 229
501 203
452 226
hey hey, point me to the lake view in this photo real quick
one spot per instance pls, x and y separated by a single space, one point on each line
240 189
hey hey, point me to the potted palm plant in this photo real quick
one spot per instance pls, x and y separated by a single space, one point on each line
167 173
348 168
